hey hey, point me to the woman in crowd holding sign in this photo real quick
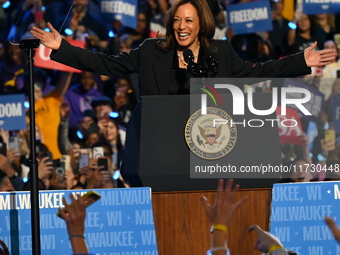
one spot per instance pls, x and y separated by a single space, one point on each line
165 65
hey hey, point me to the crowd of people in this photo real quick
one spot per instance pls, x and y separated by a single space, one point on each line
77 111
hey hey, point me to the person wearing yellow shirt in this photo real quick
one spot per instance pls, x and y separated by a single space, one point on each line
47 109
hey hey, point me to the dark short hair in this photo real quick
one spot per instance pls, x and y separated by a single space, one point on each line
103 100
103 143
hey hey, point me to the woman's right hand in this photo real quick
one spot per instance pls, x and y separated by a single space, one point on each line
51 39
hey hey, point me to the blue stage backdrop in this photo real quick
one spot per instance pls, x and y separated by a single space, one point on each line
120 223
297 216
12 112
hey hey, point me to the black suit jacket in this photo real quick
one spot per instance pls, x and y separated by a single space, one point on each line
154 67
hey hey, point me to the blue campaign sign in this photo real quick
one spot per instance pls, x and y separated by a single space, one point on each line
125 11
297 215
121 222
315 105
336 114
320 6
12 112
250 17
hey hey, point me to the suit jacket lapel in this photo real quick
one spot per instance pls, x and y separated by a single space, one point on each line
162 68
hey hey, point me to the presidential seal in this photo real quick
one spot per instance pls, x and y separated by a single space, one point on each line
210 136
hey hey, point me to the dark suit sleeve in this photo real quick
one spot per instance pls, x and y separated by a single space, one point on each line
123 63
289 66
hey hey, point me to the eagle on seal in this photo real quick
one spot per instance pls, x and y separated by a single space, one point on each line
210 134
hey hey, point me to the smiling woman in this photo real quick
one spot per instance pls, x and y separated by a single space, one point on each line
186 30
160 63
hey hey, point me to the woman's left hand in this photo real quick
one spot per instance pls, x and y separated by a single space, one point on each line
320 57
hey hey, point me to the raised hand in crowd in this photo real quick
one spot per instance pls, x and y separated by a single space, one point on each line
86 171
4 135
13 155
221 213
75 222
267 242
45 168
92 176
7 168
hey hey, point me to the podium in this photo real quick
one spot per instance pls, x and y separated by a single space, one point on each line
157 155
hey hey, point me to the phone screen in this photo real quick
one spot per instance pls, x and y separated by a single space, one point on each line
103 162
330 139
83 160
14 143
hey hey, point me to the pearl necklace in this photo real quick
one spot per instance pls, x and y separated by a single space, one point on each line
183 61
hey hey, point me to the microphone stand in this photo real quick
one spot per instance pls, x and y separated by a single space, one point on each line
29 45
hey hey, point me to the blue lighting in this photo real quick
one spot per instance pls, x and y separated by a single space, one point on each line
111 34
224 38
47 29
116 175
114 115
25 179
292 25
6 4
27 105
43 8
68 31
80 135
321 157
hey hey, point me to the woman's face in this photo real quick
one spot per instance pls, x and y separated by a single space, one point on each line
87 80
110 131
304 23
15 54
141 23
331 45
186 26
92 139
